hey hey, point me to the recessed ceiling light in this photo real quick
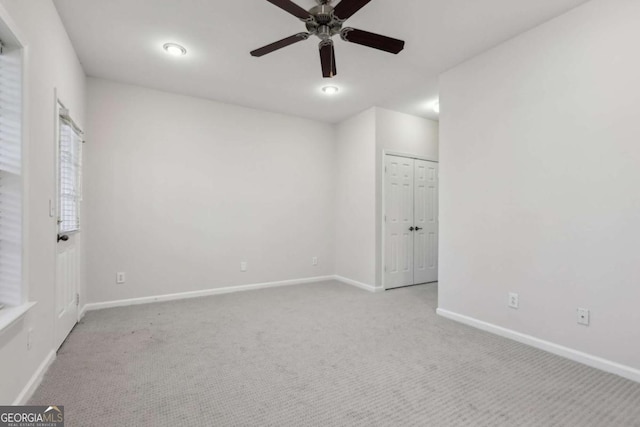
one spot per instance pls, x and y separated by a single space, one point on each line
174 49
330 90
436 107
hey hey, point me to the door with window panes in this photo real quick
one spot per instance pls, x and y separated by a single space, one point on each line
69 173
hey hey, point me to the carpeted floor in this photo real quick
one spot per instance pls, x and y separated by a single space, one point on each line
324 354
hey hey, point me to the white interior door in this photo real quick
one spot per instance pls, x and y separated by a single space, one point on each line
399 212
67 272
411 222
68 164
426 222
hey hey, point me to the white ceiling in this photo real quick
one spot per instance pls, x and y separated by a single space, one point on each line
122 40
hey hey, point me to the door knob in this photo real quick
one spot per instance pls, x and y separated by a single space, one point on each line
63 237
418 228
411 228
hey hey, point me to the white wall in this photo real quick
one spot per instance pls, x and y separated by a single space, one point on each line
355 198
179 191
539 182
361 142
51 63
404 134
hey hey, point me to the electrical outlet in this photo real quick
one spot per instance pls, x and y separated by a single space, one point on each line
120 277
514 302
29 338
244 265
314 260
583 316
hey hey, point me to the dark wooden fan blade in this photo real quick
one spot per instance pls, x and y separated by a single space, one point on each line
292 8
347 8
280 44
328 59
373 40
333 60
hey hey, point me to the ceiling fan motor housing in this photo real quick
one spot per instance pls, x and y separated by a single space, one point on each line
323 24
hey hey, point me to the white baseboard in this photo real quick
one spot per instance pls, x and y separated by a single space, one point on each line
358 284
569 353
35 380
197 294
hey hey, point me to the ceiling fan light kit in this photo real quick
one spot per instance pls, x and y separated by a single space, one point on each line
325 21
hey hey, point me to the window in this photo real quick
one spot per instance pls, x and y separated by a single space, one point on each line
11 293
70 167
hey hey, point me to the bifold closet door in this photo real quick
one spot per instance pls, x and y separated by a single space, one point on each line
425 222
411 222
399 194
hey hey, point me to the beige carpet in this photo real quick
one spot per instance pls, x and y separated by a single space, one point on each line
324 354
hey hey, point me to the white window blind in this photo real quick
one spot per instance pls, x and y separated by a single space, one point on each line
10 179
70 170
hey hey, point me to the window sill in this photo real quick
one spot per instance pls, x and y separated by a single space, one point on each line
10 315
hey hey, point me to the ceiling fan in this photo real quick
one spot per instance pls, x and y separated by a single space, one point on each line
326 21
